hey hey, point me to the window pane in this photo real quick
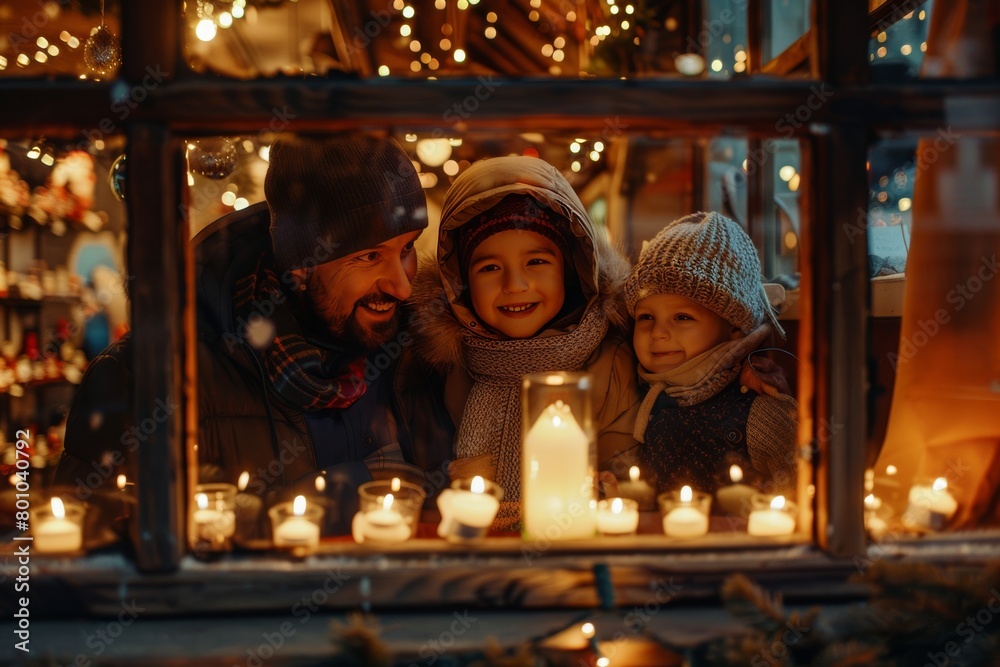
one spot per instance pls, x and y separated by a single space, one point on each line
49 40
898 48
64 301
439 38
631 185
934 337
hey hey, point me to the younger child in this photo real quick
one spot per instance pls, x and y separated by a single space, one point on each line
700 309
526 284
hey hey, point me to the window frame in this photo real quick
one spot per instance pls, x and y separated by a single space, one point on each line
833 313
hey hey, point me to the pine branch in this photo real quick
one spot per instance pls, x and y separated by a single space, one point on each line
359 643
752 604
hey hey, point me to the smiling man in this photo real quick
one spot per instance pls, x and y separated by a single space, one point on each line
304 365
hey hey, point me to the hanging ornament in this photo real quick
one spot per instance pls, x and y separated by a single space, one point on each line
116 177
212 158
102 51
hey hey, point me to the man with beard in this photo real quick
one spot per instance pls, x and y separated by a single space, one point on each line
304 367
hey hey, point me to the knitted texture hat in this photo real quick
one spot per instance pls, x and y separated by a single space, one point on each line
516 211
709 259
334 196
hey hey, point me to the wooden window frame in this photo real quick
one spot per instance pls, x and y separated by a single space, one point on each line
833 314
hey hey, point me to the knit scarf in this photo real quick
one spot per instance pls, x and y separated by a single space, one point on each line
698 378
491 422
301 374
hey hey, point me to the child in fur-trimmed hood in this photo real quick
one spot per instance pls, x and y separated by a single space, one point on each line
526 284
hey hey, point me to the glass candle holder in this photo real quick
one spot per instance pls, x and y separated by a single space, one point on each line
558 457
771 516
930 504
295 525
213 516
467 509
617 516
685 512
388 511
733 496
57 527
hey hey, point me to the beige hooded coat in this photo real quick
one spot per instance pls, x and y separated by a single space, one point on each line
447 323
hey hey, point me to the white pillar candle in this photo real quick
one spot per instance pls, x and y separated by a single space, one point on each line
56 533
774 520
734 498
686 518
617 516
557 485
297 530
931 505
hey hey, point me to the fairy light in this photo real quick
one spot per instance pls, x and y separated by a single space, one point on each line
558 55
205 30
595 156
404 30
425 58
415 66
228 198
625 25
716 65
559 42
547 50
905 203
614 9
53 50
459 56
414 45
241 203
490 32
73 42
571 16
906 49
440 4
576 166
383 70
533 15
445 44
491 17
237 12
882 51
225 19
462 5
64 36
882 37
398 5
574 147
629 9
41 56
434 64
408 12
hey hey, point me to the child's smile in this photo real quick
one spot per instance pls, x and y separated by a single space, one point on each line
516 282
672 329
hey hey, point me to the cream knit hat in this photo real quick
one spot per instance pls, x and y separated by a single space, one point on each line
709 259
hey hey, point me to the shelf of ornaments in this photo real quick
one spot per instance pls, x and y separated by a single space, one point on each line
25 374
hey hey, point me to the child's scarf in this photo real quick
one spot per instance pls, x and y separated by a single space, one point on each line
491 421
299 372
699 378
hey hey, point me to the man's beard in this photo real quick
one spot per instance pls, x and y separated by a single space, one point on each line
349 331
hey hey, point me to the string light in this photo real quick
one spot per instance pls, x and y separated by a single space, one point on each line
490 32
459 56
383 70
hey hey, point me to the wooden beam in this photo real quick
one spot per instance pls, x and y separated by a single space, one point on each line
791 58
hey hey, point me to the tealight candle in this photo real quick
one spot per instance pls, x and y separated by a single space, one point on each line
214 518
468 508
298 530
248 509
57 530
685 514
931 505
389 511
637 489
774 518
734 498
617 516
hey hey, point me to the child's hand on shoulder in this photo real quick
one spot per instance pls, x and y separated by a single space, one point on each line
763 376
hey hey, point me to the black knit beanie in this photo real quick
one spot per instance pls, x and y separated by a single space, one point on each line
330 197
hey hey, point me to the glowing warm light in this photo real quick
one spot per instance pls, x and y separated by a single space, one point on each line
320 483
408 12
588 630
686 494
906 49
559 42
791 240
571 16
603 661
48 160
778 502
786 172
383 70
598 146
264 153
241 203
53 50
450 168
394 485
625 25
299 506
459 56
940 484
201 500
41 56
491 17
716 65
735 473
595 156
490 32
120 482
905 203
881 37
793 184
387 501
237 12
922 15
740 67
228 198
23 60
205 30
633 473
404 30
73 42
547 50
242 482
478 485
576 166
558 55
415 66
890 470
425 58
225 19
533 15
574 147
64 36
42 42
445 44
414 45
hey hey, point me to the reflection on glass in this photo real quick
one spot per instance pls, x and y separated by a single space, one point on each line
892 169
60 39
896 50
785 22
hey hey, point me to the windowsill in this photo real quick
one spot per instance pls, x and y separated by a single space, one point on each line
886 291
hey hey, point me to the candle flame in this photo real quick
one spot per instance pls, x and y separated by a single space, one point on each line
244 479
588 630
871 502
735 473
778 502
320 483
120 481
686 494
940 484
633 473
890 470
299 505
556 420
58 511
478 485
395 484
202 500
616 506
387 501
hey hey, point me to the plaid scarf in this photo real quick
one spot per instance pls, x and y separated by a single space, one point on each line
300 372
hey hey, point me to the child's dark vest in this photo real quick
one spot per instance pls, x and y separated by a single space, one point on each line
695 445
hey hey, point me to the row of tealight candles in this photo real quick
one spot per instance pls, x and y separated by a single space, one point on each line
930 504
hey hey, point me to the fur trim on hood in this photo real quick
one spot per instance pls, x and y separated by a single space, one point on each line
441 318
